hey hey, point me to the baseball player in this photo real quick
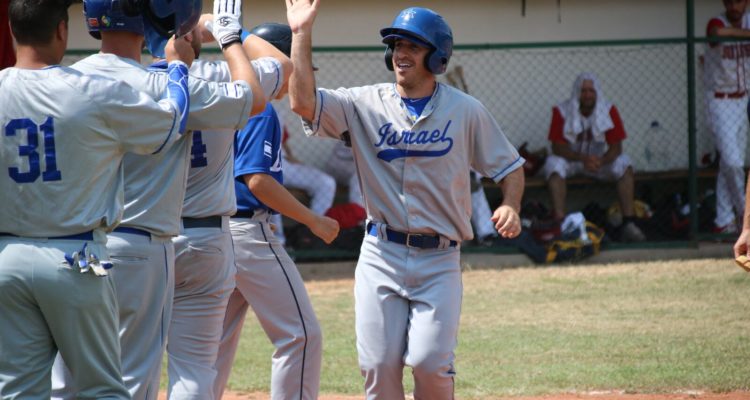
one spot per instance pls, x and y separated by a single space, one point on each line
267 278
155 187
204 265
414 142
64 135
726 65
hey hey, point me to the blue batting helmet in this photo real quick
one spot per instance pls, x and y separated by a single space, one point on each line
164 18
425 27
108 15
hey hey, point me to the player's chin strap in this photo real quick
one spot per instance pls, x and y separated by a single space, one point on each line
177 90
87 262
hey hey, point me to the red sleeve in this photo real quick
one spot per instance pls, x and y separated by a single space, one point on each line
7 53
714 23
556 127
617 133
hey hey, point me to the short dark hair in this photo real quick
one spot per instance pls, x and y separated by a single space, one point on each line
34 22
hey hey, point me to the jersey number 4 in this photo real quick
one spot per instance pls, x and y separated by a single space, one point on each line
198 151
29 150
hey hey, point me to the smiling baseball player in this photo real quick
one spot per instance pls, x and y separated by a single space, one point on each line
155 186
414 142
63 139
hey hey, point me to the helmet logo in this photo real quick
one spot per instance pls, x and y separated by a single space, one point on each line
93 22
223 21
105 20
409 14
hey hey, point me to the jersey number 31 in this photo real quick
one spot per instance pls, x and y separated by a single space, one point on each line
29 150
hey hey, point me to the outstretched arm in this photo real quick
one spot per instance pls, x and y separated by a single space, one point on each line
226 29
301 16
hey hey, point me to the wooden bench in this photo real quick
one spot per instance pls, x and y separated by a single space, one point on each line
538 181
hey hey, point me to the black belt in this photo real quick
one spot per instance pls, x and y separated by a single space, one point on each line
409 239
244 214
79 236
206 222
132 231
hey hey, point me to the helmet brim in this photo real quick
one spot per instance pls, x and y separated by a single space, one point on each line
390 36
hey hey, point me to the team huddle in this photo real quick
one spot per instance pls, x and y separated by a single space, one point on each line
138 202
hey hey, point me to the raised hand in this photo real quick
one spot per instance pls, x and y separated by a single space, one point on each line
301 14
227 26
180 49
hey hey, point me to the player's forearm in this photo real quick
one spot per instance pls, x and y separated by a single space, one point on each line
273 194
612 153
256 48
564 151
302 81
241 70
512 187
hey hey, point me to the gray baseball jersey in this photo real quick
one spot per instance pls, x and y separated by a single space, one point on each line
405 166
210 189
58 114
64 137
155 186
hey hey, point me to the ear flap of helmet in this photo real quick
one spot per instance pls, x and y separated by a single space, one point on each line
436 63
389 58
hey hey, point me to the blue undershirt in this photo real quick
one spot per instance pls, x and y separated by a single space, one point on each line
416 106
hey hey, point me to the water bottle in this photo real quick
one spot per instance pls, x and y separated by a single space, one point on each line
656 152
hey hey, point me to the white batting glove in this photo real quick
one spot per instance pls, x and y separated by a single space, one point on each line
227 27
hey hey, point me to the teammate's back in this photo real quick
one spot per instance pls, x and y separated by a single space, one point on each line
62 134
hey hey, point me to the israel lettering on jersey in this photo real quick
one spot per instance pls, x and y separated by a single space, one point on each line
393 137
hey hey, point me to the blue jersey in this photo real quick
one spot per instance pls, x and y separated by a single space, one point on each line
257 149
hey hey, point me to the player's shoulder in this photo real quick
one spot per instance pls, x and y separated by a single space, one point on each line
457 98
101 89
718 21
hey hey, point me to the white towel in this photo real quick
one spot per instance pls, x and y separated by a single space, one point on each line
601 121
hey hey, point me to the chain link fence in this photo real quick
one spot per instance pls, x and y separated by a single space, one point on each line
646 80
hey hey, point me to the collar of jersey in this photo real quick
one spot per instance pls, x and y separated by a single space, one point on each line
159 65
428 108
107 58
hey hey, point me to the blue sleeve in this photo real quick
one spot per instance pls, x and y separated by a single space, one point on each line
177 91
257 149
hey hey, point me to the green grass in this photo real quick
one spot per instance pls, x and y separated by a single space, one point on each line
641 327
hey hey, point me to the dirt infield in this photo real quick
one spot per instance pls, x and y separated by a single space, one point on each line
612 395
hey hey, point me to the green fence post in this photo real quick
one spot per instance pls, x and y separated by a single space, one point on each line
692 144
